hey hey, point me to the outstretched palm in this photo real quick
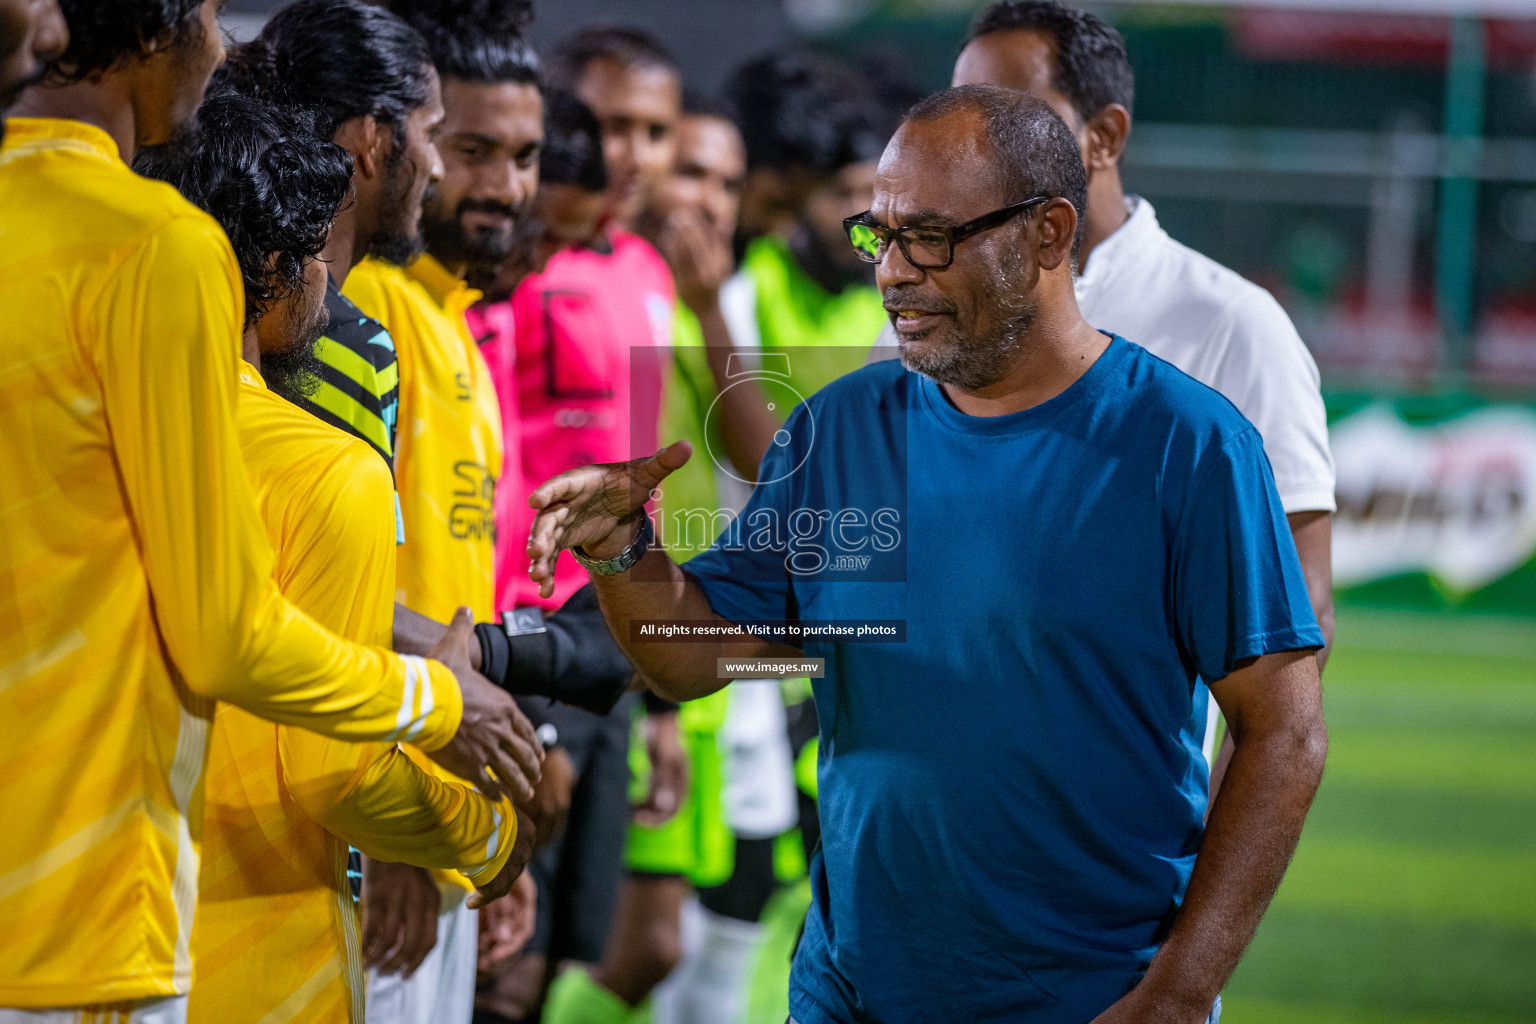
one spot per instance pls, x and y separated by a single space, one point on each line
594 507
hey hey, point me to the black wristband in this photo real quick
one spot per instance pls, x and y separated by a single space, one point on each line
655 704
495 652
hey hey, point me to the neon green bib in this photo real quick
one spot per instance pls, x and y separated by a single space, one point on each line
824 335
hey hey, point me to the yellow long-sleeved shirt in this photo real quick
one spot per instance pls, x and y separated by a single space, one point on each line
135 575
276 932
448 452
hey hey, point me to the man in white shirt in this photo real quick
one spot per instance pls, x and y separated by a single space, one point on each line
1134 280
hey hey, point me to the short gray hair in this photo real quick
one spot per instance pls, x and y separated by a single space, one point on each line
1037 153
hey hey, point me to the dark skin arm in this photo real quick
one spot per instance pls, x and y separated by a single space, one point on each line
701 263
746 425
1274 707
417 634
598 508
1313 534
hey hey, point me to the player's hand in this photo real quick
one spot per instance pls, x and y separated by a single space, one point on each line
669 771
700 257
506 925
551 803
522 853
400 908
495 747
595 508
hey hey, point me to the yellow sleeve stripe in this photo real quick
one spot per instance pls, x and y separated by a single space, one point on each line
417 703
493 863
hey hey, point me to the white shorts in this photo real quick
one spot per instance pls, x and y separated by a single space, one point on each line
442 991
147 1011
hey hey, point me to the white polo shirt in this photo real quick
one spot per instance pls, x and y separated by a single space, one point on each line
1224 331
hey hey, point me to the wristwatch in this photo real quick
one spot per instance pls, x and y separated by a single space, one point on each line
623 561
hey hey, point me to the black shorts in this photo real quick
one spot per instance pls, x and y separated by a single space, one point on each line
578 874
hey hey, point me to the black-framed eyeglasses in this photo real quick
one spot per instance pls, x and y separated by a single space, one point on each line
927 246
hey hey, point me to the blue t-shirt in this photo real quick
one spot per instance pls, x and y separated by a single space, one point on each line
1012 797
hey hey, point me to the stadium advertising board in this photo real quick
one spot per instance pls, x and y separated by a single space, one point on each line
1437 511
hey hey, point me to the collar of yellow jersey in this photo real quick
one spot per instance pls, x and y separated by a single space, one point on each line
250 375
446 288
35 134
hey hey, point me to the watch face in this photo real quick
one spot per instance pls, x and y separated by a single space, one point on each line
782 400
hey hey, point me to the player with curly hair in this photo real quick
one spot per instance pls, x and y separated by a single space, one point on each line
277 924
368 80
140 578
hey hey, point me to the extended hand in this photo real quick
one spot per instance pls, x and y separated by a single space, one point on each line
493 734
400 908
522 853
594 508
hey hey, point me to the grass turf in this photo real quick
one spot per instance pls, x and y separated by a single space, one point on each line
1412 898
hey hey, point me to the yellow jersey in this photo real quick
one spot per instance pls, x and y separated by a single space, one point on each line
448 445
276 935
448 452
135 575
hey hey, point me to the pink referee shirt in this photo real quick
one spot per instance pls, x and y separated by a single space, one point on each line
577 355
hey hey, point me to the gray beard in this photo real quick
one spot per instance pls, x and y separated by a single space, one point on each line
984 361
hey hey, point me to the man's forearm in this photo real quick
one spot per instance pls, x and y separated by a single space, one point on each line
658 589
746 425
1250 837
415 633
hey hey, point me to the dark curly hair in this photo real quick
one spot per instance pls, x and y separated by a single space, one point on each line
104 36
479 41
797 110
271 181
339 59
1092 68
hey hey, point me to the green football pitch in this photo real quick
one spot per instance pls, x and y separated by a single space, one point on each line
1412 898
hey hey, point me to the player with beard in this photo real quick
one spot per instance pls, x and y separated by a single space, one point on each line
449 455
369 79
32 32
276 929
145 581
